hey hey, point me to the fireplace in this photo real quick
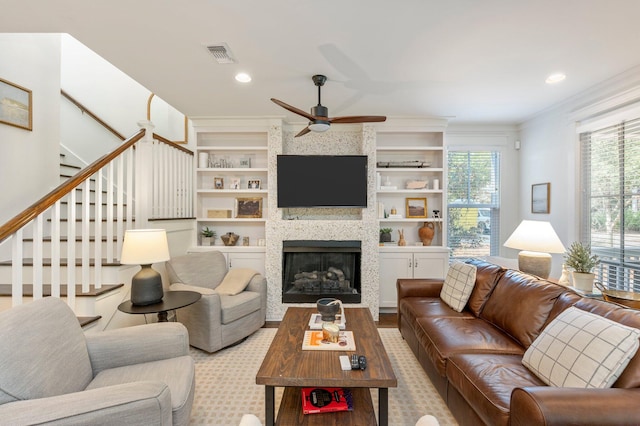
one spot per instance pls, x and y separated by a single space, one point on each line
312 269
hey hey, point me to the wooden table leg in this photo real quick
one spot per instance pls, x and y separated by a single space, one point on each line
383 406
269 405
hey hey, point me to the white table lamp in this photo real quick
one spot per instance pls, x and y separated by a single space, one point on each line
536 239
144 247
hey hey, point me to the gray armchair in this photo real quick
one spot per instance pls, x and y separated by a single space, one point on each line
52 373
218 319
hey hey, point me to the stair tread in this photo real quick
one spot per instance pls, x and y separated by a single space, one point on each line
64 239
27 261
27 290
70 166
88 320
90 220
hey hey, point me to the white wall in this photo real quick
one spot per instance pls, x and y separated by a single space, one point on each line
29 160
550 153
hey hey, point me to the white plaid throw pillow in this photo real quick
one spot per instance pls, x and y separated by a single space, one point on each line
581 350
458 285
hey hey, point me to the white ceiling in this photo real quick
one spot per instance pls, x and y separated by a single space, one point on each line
475 60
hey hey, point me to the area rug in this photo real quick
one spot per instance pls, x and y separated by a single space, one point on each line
226 386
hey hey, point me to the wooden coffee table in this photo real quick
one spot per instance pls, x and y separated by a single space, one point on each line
287 365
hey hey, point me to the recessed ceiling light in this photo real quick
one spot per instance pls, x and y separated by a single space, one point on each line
243 77
555 78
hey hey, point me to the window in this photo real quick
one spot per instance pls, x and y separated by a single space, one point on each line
474 205
611 200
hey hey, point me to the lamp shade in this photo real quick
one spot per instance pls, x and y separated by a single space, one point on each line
534 235
144 247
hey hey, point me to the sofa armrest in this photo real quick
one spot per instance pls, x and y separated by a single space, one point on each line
418 287
258 284
135 345
130 403
562 406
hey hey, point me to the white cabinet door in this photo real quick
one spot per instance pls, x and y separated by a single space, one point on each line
392 267
430 265
247 260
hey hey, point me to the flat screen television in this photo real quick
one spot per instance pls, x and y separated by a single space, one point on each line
322 181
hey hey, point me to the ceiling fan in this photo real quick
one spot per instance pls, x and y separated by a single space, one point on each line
319 120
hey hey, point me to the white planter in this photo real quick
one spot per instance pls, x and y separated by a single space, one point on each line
583 281
206 241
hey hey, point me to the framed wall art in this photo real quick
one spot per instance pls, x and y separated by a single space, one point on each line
540 197
249 208
15 105
416 207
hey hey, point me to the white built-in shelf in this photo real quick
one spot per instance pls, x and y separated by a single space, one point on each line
231 219
409 169
233 191
413 219
409 148
232 148
409 191
234 169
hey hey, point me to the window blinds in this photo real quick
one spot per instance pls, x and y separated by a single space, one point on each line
611 202
473 197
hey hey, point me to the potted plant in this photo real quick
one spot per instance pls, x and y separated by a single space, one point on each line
580 259
208 235
385 235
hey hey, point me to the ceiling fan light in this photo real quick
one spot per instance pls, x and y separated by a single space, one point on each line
319 126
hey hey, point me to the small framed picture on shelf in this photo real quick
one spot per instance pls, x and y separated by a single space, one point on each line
416 207
253 184
244 163
218 183
235 184
249 207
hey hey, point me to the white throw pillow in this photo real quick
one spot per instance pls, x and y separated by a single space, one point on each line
581 350
235 281
458 285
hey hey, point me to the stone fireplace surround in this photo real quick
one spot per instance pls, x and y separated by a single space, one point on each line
321 224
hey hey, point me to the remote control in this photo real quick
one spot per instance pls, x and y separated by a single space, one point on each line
345 364
362 361
355 364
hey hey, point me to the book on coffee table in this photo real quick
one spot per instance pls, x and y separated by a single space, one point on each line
315 323
314 341
326 400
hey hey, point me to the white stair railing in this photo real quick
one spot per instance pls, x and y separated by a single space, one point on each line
144 178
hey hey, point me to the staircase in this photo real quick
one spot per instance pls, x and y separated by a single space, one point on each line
84 219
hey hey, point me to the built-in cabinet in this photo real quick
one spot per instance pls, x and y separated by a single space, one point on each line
408 262
232 182
239 257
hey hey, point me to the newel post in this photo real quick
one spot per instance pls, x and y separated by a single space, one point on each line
144 176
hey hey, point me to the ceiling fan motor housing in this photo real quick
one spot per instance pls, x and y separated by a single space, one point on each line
320 111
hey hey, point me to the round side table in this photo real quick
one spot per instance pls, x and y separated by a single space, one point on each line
171 301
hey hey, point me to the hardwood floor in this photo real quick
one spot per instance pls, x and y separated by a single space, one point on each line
385 321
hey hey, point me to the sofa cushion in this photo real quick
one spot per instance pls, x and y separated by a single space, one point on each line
238 306
520 304
48 358
202 269
581 349
177 373
444 337
487 275
486 382
458 284
412 308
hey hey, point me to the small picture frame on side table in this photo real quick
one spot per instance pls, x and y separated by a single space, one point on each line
416 207
250 208
540 197
253 184
218 183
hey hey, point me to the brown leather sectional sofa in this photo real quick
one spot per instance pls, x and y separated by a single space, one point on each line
474 357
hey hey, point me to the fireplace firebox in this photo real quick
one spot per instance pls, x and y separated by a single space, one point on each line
313 269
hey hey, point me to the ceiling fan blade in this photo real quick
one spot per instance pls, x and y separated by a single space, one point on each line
293 109
303 132
358 119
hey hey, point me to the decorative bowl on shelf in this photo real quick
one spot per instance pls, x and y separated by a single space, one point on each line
229 239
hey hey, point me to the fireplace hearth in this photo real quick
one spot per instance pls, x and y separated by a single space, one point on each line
313 269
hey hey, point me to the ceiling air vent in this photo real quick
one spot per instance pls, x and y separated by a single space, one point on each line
222 53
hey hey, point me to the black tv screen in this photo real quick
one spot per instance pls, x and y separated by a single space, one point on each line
322 181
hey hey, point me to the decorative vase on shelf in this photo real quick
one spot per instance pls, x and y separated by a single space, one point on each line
229 239
206 241
426 233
